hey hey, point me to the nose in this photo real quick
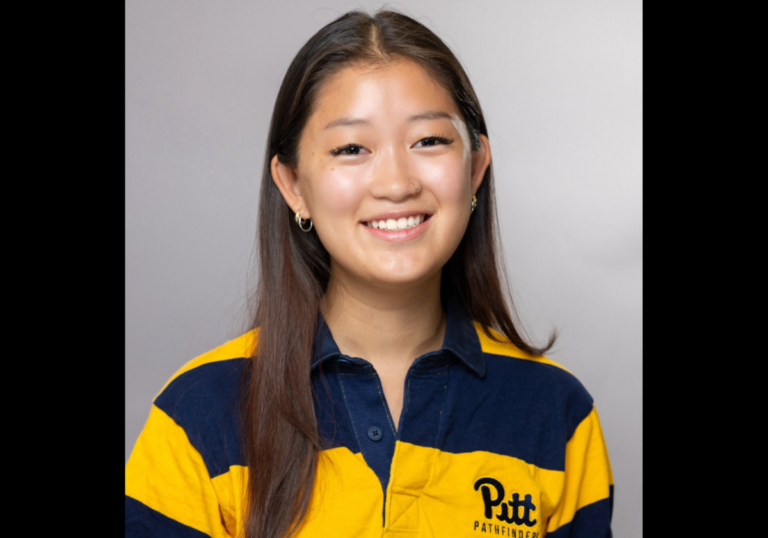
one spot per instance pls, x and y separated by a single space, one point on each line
392 177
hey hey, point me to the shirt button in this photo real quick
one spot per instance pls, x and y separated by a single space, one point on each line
375 433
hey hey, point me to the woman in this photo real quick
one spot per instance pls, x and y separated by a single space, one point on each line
384 387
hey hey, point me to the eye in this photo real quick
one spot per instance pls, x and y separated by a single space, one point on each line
348 149
433 141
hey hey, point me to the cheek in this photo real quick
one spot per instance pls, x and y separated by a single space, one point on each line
335 193
448 178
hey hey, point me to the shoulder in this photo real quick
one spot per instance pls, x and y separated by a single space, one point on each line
502 353
237 349
211 376
548 385
202 399
498 344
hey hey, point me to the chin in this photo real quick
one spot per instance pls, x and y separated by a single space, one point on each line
388 270
399 273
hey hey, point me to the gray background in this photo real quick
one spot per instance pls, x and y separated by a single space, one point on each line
560 85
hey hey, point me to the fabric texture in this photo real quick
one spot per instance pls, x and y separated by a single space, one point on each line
490 440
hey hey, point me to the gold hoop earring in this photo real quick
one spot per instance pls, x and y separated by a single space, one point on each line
301 222
474 203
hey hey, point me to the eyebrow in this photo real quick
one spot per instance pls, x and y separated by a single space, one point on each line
429 115
347 121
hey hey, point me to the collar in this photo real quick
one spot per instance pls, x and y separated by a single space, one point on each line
460 339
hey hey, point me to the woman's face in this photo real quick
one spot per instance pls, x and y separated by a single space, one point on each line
386 173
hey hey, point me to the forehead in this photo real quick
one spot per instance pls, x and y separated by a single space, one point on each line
382 91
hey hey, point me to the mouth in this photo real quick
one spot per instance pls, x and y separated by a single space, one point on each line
401 223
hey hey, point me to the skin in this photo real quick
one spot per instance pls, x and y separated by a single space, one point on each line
380 288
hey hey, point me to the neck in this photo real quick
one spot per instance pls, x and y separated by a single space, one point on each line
388 326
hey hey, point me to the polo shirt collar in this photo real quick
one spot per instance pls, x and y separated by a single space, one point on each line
460 339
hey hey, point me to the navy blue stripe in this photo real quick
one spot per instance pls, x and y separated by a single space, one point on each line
204 402
141 521
591 521
520 408
610 498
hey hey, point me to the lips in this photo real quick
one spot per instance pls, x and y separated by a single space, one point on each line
387 227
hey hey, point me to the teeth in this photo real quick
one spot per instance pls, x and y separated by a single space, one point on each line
399 224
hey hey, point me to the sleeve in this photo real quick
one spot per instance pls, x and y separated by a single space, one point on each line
168 490
586 504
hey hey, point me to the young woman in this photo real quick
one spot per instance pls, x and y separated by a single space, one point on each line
384 388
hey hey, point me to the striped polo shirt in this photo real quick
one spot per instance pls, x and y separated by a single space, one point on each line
490 441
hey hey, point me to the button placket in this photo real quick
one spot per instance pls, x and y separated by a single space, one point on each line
420 424
369 419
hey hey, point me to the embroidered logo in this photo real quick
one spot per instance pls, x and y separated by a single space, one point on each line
514 511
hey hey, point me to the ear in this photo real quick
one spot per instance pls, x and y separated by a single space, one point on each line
287 183
481 158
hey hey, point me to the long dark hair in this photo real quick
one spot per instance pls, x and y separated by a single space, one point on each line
280 434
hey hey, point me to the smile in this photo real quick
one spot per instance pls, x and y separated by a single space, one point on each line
398 228
403 223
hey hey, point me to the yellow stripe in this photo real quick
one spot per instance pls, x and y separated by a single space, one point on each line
346 498
432 492
167 474
587 471
505 347
409 473
230 489
242 346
